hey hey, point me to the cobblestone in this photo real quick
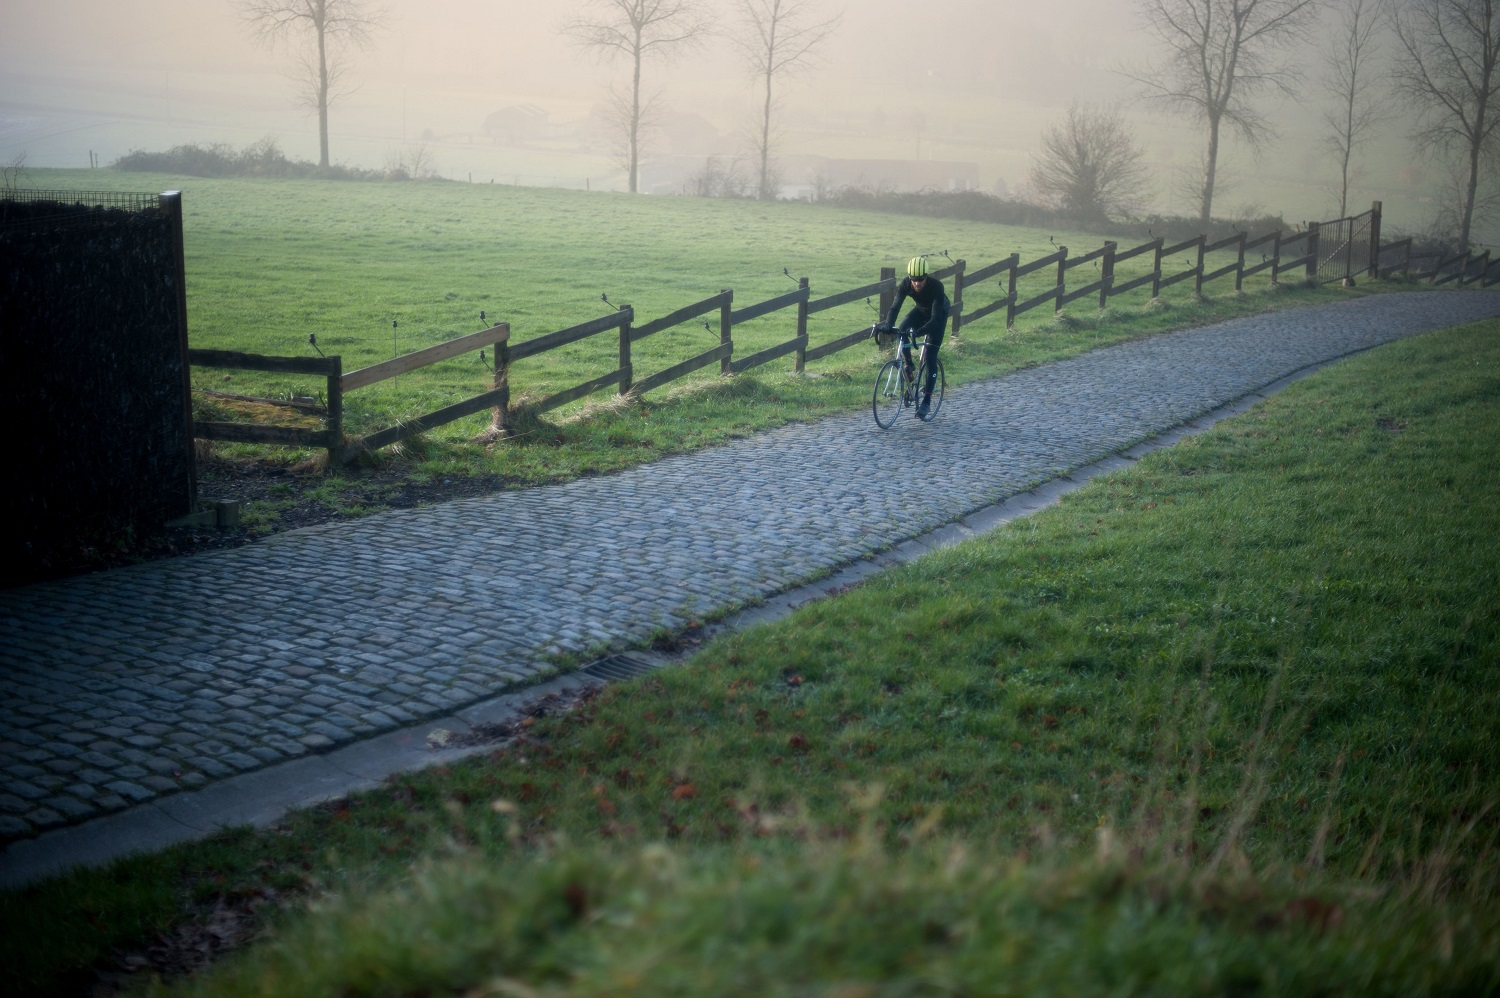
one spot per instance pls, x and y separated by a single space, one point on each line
126 685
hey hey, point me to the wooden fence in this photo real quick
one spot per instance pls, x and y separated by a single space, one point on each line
974 294
331 436
1436 269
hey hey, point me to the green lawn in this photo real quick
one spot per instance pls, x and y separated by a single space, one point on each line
272 262
1221 723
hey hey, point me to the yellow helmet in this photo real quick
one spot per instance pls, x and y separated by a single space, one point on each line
916 267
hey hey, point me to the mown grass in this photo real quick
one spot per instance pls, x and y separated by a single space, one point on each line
1222 723
272 262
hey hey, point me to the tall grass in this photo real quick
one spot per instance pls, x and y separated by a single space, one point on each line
1219 723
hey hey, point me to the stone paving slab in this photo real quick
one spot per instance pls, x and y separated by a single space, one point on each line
127 687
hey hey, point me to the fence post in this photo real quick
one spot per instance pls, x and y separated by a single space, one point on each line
1375 209
171 203
1010 292
726 332
1107 272
1198 274
799 362
1312 252
1484 265
1276 259
958 297
1062 278
501 384
887 298
1156 274
626 374
335 410
1463 266
1239 264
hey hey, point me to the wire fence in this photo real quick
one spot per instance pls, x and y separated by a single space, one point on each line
25 208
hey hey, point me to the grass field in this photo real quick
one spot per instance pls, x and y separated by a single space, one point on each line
1222 723
271 263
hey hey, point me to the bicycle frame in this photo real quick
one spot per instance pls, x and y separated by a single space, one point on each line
896 386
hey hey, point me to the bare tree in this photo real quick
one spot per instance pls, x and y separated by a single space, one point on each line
1452 198
631 119
1220 56
717 179
1448 57
1089 166
413 161
780 39
638 30
1351 79
326 26
14 174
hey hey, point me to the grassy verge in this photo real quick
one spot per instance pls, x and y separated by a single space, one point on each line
1220 723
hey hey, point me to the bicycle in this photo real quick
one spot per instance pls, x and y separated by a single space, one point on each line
899 383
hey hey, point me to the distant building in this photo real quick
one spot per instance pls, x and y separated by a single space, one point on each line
518 123
805 177
894 174
687 134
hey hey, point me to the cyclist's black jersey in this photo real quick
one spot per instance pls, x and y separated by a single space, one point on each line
929 307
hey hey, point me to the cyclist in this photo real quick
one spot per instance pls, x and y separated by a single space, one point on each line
928 318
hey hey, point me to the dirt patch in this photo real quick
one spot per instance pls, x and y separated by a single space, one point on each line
208 931
275 498
205 934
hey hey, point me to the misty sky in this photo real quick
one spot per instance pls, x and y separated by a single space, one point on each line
963 80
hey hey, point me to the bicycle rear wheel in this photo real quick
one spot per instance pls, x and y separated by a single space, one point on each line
890 387
939 387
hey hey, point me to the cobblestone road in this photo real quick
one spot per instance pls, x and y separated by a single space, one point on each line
127 685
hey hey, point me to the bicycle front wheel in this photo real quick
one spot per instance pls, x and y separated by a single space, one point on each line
939 386
890 387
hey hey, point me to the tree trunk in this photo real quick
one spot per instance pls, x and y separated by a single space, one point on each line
1470 190
1476 144
1210 166
1348 150
765 143
322 98
635 125
765 121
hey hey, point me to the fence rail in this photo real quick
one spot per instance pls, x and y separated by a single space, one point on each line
1340 250
330 437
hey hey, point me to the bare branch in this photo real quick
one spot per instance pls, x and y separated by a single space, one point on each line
1090 167
638 30
780 40
350 20
1219 56
1352 60
1448 66
327 28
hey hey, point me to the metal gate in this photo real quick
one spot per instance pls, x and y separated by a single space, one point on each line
1344 248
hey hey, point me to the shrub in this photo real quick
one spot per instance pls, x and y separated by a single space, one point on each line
264 158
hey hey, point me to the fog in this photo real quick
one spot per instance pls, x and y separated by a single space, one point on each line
966 87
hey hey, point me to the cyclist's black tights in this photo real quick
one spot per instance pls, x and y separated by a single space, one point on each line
916 319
